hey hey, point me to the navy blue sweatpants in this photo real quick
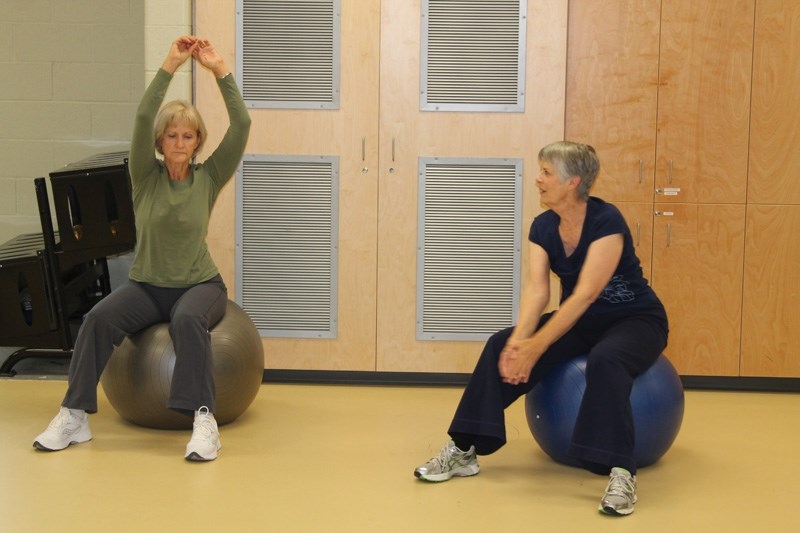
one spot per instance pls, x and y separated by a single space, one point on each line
618 350
190 311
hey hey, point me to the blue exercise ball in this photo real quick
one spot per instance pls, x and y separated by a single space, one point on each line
657 401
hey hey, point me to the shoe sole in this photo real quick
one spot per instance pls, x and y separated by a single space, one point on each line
39 446
196 457
438 478
610 511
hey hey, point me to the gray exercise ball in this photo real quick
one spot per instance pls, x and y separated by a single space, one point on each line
138 375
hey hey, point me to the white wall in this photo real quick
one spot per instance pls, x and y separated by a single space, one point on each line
164 20
73 73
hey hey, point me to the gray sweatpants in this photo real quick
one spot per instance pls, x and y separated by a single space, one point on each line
190 311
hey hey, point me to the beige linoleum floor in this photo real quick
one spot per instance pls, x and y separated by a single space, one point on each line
314 458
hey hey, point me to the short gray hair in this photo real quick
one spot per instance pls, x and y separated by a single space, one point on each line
573 159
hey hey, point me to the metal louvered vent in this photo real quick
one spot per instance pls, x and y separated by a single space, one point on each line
287 243
468 247
288 53
473 55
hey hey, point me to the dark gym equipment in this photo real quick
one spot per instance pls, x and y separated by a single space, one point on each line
49 280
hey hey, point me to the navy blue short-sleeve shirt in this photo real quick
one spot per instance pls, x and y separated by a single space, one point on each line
628 290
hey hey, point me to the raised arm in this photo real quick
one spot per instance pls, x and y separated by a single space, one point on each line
181 50
208 57
142 157
223 162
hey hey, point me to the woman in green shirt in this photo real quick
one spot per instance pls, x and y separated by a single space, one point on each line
173 277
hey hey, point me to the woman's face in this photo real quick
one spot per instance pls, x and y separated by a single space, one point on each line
179 143
551 188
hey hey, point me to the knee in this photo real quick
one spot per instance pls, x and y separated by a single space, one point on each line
491 351
603 366
100 327
188 322
96 319
498 341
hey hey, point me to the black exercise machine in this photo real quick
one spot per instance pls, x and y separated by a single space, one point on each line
49 280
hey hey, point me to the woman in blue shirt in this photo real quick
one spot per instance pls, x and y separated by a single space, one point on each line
607 310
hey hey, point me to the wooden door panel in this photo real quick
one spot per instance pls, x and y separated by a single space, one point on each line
770 318
351 134
612 90
408 134
639 217
774 137
704 100
697 273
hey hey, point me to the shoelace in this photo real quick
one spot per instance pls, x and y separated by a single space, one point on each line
447 459
441 460
620 485
62 418
204 424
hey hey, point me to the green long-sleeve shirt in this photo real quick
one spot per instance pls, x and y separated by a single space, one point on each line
172 216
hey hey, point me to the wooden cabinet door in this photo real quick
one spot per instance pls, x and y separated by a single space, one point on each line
771 290
770 318
349 133
639 217
697 272
378 134
406 134
612 90
704 100
774 135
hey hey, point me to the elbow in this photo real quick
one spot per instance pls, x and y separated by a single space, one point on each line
535 300
244 125
587 298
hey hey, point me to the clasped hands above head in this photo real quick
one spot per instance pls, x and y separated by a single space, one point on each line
202 50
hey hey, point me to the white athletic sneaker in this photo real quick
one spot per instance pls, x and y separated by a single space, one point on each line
204 443
450 462
68 427
620 494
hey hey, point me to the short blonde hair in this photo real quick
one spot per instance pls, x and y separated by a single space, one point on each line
175 112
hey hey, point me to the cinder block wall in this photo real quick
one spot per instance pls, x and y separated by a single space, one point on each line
73 73
164 21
